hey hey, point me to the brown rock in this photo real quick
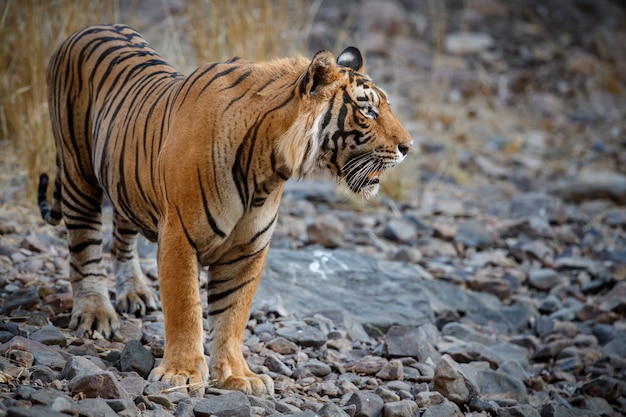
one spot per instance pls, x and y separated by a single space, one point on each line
100 384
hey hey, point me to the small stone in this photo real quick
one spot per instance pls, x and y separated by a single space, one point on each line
466 333
34 411
276 365
445 409
453 382
231 404
136 358
303 335
42 354
393 370
95 407
49 335
542 205
315 367
24 299
605 387
522 410
43 373
94 385
326 230
497 386
472 233
400 230
282 346
387 395
407 341
367 404
404 408
427 399
330 409
367 365
129 330
545 279
408 254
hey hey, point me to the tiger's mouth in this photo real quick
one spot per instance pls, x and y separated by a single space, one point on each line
362 174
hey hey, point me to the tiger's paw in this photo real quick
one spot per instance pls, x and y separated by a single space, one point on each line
92 314
250 384
133 295
137 302
182 374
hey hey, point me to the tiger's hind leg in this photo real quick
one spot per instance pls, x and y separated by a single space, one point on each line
133 295
92 310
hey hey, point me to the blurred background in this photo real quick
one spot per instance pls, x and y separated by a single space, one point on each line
517 93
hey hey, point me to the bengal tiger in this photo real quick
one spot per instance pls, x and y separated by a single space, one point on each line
198 164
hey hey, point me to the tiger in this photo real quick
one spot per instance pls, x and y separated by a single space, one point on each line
197 163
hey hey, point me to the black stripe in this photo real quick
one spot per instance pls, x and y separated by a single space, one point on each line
214 298
207 211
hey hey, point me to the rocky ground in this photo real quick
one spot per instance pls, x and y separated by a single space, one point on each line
489 281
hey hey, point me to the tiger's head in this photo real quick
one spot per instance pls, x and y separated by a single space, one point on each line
345 124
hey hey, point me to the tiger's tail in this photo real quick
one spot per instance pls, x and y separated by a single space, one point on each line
51 215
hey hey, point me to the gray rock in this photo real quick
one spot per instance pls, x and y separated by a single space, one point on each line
545 279
42 354
393 370
426 399
34 411
445 409
593 185
605 387
330 409
46 396
466 333
282 346
538 204
303 335
326 230
65 405
129 330
123 408
95 407
474 234
23 298
94 385
387 395
231 404
312 280
347 321
402 408
401 231
523 410
453 382
78 365
403 341
367 404
42 373
496 385
314 367
276 365
49 335
136 358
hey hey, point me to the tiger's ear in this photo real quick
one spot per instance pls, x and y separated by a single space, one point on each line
321 72
351 57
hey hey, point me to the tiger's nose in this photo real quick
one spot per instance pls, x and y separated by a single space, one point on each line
404 148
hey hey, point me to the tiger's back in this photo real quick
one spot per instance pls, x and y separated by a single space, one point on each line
109 94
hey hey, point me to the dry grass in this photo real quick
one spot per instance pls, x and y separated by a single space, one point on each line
208 30
29 31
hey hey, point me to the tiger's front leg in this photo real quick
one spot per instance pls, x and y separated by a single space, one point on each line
183 361
232 285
